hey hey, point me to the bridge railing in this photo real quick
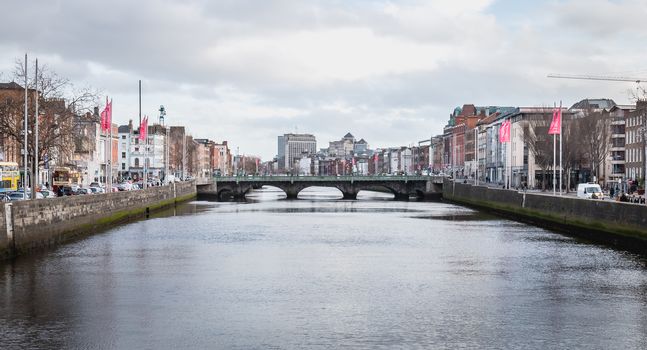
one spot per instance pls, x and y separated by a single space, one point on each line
281 178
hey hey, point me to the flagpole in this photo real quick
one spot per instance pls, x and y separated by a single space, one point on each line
110 143
554 163
503 130
561 167
105 148
510 160
145 131
35 180
509 132
476 157
24 182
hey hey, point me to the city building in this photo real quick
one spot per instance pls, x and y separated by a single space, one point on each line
343 147
177 151
221 159
125 135
87 148
204 164
292 147
635 122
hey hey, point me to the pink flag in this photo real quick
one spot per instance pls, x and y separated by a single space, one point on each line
103 120
143 129
109 116
146 128
104 116
504 131
556 124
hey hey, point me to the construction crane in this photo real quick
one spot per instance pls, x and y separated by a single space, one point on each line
597 77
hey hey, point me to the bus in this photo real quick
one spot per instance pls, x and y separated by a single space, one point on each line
9 177
64 176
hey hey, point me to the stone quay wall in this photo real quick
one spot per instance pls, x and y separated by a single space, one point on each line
604 221
33 224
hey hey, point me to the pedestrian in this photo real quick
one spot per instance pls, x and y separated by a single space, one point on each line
623 197
611 192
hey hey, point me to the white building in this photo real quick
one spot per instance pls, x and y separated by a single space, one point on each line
305 164
150 154
88 153
125 136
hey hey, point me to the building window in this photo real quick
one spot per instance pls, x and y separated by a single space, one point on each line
123 137
123 154
136 162
123 166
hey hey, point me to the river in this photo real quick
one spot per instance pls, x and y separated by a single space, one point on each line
324 273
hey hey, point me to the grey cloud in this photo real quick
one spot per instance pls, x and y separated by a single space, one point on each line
166 44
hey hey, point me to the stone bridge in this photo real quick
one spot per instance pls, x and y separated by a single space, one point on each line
403 187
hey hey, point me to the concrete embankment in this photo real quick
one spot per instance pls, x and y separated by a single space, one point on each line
29 225
619 224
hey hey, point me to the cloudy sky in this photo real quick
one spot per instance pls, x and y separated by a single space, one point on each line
387 71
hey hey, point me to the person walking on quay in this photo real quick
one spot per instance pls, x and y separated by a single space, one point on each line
623 197
611 192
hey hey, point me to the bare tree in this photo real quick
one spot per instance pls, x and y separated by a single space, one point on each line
61 105
595 137
572 151
535 136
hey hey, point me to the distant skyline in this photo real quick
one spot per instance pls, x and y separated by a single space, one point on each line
386 71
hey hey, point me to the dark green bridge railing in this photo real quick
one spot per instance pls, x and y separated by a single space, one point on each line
279 178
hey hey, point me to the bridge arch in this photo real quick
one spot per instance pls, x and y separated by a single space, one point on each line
401 186
334 192
386 192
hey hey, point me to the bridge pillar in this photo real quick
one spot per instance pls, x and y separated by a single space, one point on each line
349 195
401 196
291 192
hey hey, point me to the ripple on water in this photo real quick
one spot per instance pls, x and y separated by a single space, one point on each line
319 273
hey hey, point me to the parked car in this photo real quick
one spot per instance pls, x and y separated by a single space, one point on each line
590 191
19 195
16 196
69 190
97 190
125 186
4 197
48 193
95 184
84 191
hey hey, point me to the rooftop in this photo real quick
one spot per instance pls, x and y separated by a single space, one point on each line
10 86
595 103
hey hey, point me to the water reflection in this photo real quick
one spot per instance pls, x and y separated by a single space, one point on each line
324 273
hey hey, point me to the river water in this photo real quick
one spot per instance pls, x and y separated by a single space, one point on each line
324 273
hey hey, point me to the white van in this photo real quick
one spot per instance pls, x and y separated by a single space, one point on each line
589 190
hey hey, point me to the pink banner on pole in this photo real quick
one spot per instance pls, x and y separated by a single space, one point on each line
109 116
143 128
504 131
556 124
103 120
105 116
